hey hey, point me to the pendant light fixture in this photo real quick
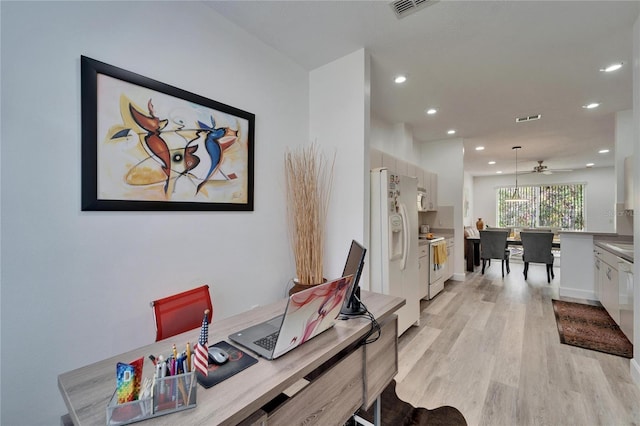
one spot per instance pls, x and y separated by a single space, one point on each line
515 197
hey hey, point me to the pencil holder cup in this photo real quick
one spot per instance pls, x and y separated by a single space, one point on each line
170 394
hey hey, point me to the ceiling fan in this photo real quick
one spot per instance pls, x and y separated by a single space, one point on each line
541 168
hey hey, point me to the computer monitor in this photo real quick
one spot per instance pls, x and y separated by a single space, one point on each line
354 265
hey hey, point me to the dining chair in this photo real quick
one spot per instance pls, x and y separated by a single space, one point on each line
493 245
536 248
181 312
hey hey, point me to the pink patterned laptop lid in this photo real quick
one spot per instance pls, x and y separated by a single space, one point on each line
310 312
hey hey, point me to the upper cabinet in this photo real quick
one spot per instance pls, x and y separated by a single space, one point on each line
431 187
402 167
628 183
433 193
389 162
375 159
426 180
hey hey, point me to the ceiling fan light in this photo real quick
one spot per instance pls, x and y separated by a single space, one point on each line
592 105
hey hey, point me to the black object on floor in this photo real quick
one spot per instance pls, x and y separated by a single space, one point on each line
396 412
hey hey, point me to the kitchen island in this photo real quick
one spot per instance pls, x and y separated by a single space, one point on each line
577 268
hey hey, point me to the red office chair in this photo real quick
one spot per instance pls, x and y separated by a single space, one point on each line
181 312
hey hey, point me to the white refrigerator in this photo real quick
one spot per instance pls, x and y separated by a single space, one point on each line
394 242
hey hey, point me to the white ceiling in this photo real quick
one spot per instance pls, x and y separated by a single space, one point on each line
481 63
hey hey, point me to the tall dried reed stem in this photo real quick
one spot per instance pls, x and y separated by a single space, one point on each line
309 178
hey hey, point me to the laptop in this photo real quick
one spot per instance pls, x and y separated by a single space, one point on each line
308 313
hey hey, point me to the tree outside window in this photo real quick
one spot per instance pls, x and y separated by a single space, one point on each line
554 206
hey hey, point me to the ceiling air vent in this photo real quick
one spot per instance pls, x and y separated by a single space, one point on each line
403 8
528 118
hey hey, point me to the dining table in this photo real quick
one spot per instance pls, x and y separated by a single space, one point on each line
472 249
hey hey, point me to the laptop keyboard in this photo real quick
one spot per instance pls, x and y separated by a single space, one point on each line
268 342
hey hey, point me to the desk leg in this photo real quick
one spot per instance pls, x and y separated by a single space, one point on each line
377 415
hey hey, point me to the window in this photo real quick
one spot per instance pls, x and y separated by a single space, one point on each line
556 206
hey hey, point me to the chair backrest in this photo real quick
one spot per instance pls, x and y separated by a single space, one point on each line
537 246
493 243
499 230
181 312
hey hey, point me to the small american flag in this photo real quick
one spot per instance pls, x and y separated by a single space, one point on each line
201 360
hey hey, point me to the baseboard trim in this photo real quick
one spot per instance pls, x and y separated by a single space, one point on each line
577 293
458 277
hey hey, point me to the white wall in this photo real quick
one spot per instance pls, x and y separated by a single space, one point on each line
635 362
624 148
76 285
467 200
446 158
381 136
599 197
342 128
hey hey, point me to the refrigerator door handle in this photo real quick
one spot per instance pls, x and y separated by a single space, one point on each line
405 236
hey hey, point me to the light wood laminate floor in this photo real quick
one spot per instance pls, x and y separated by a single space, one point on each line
489 347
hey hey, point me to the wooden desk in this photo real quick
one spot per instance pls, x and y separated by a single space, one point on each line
342 375
473 250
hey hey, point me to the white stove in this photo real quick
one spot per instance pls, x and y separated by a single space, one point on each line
435 279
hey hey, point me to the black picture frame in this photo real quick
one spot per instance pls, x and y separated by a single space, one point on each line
149 146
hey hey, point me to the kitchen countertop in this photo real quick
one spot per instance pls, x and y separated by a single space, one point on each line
623 249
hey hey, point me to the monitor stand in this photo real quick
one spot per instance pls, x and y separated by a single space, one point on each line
353 307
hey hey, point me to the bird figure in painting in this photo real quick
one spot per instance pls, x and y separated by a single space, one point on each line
216 142
158 147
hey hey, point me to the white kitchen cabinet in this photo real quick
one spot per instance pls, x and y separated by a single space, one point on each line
625 299
448 273
423 270
606 281
375 159
389 161
420 173
610 291
431 186
402 167
434 191
412 171
597 285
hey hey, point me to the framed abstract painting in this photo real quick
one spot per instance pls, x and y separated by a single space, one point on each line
150 146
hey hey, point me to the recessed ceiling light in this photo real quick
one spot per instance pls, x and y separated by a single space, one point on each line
479 148
431 111
612 67
591 105
451 132
492 162
603 151
590 164
400 79
499 172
